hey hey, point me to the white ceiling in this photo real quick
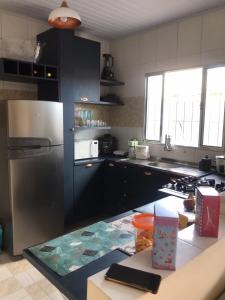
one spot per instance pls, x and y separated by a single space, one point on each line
114 18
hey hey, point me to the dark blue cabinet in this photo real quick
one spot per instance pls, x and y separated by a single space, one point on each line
78 62
86 70
148 182
112 188
88 192
128 186
120 187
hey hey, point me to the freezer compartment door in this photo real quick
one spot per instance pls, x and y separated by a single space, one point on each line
36 120
36 186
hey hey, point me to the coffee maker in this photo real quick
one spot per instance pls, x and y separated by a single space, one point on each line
107 72
107 144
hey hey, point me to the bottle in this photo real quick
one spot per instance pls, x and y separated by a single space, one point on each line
131 147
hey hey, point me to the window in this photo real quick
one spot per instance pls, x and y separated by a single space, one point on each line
174 101
182 99
214 107
154 92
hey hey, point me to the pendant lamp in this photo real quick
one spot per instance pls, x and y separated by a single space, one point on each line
64 17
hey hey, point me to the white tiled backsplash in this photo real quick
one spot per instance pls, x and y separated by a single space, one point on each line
91 134
186 43
157 150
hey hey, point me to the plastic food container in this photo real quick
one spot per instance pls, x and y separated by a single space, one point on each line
144 224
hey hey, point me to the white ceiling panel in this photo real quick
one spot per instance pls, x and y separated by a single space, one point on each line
114 18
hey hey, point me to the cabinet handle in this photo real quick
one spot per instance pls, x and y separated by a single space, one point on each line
88 165
147 173
84 99
111 165
72 129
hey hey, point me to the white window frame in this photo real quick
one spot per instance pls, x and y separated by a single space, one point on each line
202 109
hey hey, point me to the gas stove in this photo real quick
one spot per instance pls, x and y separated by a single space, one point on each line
182 187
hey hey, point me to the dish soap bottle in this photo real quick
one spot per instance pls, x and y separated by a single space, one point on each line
131 147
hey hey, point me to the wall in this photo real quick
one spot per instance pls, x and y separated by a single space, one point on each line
190 42
18 40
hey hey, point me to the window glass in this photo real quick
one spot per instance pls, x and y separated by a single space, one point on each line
154 102
181 109
173 107
214 107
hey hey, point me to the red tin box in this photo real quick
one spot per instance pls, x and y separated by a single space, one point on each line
207 211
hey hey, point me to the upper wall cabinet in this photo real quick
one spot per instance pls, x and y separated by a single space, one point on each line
78 60
86 70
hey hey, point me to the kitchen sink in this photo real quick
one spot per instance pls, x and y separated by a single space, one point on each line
177 167
163 165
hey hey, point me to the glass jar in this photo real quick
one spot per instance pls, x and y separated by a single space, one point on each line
144 224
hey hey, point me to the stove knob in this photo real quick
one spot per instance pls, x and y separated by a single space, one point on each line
173 181
179 184
180 188
172 186
191 178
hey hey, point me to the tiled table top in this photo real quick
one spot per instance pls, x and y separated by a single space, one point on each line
190 236
142 261
190 245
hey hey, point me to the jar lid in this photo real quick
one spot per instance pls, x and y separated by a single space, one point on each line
143 221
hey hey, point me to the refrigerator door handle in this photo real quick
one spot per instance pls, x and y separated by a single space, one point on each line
33 147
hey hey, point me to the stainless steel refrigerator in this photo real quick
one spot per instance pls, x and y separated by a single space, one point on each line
31 172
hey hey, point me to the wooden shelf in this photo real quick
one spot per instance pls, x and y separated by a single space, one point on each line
111 82
24 71
86 127
98 103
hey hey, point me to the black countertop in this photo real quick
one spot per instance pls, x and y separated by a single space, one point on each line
218 177
96 159
176 168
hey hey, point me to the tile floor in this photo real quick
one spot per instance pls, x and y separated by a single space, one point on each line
19 280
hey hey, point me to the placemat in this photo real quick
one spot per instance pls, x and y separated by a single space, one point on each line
72 251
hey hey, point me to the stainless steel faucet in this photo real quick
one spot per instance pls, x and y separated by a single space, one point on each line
167 146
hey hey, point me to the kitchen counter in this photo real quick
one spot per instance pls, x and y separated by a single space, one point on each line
74 285
199 275
166 166
169 166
